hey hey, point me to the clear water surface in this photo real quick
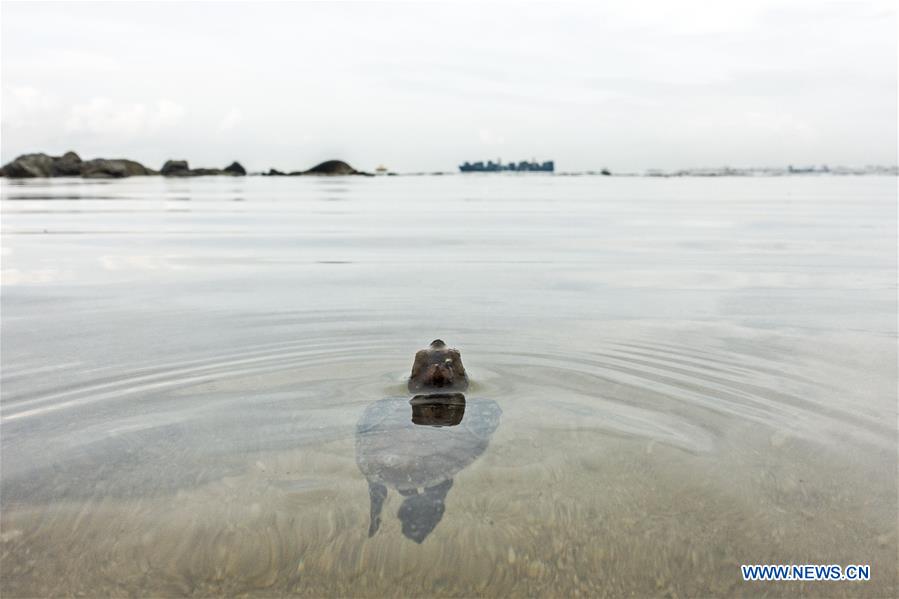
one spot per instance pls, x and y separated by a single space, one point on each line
203 385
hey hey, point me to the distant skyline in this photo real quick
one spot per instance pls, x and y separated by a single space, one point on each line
628 86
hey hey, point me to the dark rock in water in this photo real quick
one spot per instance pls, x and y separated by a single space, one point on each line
101 168
333 167
30 165
175 168
329 167
180 168
438 367
67 165
71 165
205 172
235 168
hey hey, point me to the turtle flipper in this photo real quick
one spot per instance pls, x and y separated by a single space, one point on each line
377 492
420 513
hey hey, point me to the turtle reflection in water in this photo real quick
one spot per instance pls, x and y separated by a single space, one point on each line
419 455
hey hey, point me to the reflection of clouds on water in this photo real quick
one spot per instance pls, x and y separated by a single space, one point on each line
417 449
14 276
141 262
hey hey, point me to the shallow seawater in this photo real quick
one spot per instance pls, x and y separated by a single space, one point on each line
203 385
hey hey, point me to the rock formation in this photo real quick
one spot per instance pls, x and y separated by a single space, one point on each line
67 165
180 168
71 165
174 168
30 165
101 168
328 167
235 168
333 167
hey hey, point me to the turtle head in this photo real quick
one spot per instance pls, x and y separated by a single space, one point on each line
440 375
438 367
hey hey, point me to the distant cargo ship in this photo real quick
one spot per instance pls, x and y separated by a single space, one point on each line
498 166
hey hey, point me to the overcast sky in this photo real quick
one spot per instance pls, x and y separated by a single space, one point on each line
625 85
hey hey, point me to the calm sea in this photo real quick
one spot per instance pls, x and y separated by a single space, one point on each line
203 385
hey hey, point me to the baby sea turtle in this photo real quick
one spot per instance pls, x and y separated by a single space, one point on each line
419 451
438 368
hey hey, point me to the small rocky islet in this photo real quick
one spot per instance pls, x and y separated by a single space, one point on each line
70 164
328 167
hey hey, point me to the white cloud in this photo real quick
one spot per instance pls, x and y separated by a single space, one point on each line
167 114
102 116
31 99
231 120
23 104
55 60
490 138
